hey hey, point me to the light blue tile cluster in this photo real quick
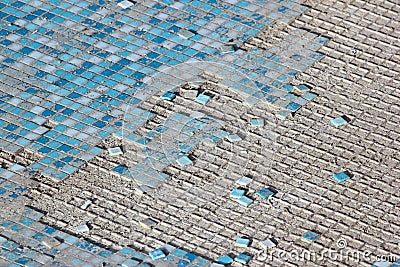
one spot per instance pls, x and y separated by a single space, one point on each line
82 81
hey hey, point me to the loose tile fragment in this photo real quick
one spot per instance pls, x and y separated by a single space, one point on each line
244 201
339 121
244 181
243 258
342 176
311 236
293 107
156 254
185 34
202 99
242 242
190 94
237 193
301 89
82 228
257 122
214 264
265 193
283 114
115 151
168 96
268 243
50 242
184 161
148 223
225 259
125 4
86 204
234 138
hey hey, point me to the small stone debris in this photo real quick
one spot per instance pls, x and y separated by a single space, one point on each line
83 228
148 223
115 151
86 204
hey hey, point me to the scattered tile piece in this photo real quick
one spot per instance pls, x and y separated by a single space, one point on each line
185 34
339 121
216 265
234 138
184 161
310 236
50 242
244 181
283 114
190 94
130 263
265 193
197 115
292 106
301 88
268 243
251 101
168 96
86 204
242 242
225 259
341 176
309 96
227 49
148 223
237 193
257 122
156 254
82 228
125 4
115 151
202 99
243 258
244 201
